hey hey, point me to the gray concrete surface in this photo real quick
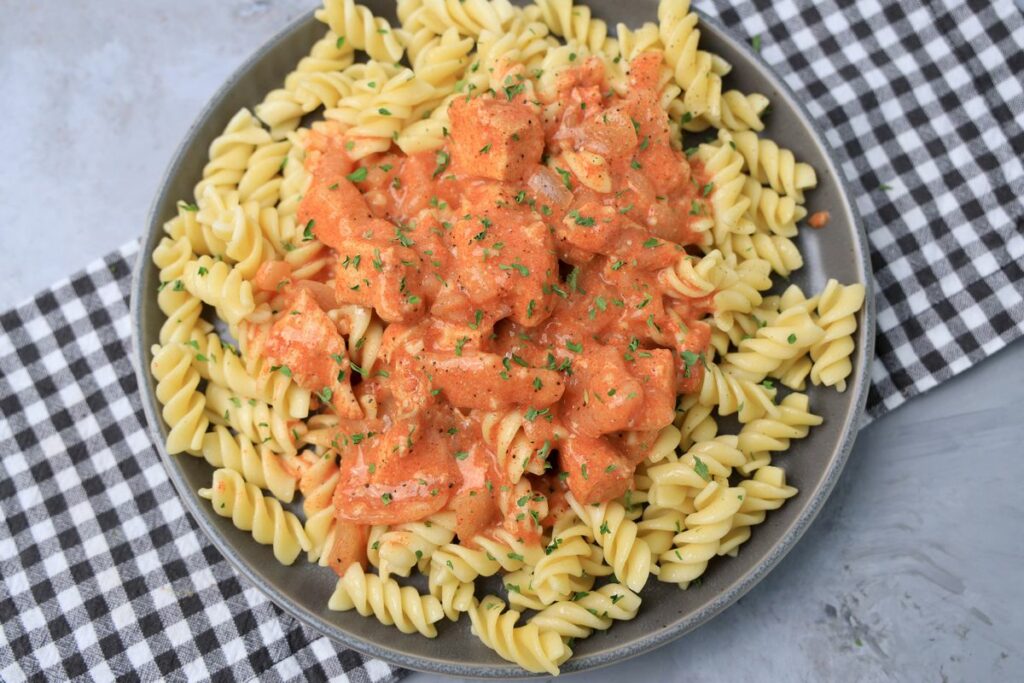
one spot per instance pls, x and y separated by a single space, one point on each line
913 571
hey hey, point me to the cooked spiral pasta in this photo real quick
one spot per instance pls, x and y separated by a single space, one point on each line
723 166
221 286
695 421
716 504
570 542
574 23
740 291
693 277
775 166
456 563
456 598
177 390
837 308
259 466
250 510
790 335
317 484
772 212
758 439
259 422
659 525
316 81
407 545
595 610
359 27
261 181
531 647
392 604
766 490
731 394
230 153
221 364
628 555
441 60
779 252
181 307
516 452
468 17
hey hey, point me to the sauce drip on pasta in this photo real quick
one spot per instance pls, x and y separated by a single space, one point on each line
532 345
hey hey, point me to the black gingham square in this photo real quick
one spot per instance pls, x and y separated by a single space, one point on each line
103 574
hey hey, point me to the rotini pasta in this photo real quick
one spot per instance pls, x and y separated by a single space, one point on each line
390 603
250 510
535 649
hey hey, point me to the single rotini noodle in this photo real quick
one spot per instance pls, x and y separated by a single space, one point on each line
392 604
766 490
182 308
574 23
177 389
259 422
230 153
837 309
628 555
536 650
695 421
259 466
362 29
221 364
218 284
790 335
775 166
407 545
250 510
730 394
715 505
758 439
593 611
457 563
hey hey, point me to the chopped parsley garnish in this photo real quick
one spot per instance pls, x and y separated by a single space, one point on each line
701 469
585 221
523 270
566 177
358 175
443 158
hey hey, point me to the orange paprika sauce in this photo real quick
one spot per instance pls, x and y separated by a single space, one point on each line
517 270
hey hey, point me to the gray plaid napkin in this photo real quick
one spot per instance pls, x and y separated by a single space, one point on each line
104 576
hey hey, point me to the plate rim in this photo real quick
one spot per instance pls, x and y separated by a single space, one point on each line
857 386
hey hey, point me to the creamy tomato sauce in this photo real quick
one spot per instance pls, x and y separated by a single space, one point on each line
518 271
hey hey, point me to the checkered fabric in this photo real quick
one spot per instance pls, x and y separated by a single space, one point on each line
104 575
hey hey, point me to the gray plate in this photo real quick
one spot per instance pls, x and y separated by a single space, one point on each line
813 465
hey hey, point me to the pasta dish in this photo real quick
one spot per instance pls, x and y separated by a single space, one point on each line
487 293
